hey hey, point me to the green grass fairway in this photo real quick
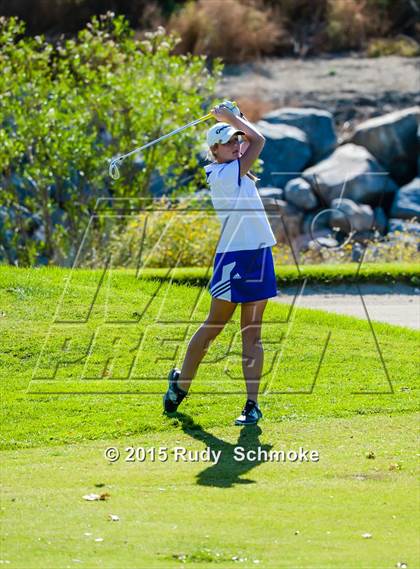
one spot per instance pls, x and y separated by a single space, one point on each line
84 371
295 515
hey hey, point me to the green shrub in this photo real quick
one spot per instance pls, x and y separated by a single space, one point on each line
403 46
166 234
347 24
66 108
396 247
184 233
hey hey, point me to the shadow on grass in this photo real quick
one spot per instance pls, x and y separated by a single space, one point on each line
228 471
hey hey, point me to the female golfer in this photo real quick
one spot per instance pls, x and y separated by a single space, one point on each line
243 265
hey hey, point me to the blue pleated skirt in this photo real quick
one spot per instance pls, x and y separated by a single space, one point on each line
243 276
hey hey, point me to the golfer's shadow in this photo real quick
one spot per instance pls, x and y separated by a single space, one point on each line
228 471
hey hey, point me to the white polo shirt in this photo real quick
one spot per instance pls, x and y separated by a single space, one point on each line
239 208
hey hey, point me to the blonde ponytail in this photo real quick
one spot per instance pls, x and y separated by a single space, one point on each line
252 176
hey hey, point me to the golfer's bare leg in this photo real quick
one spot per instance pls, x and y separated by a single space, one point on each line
252 348
220 313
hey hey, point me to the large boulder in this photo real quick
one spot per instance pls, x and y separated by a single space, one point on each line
364 237
315 240
418 151
271 193
406 204
351 172
316 221
285 219
318 125
380 221
316 231
392 139
348 215
299 192
285 154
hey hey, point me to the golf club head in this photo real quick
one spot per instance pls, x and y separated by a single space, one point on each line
114 168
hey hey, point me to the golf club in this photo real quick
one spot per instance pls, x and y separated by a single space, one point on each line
116 162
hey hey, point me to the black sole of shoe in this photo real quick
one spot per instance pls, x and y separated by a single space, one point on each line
169 406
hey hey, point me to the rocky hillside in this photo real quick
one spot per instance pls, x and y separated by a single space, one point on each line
342 153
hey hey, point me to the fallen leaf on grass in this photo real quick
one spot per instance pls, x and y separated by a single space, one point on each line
91 497
94 497
360 476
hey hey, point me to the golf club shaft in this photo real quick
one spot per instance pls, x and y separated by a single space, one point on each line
113 167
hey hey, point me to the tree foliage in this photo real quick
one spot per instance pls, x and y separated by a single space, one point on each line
67 108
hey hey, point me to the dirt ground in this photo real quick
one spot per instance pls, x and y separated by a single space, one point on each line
351 87
397 304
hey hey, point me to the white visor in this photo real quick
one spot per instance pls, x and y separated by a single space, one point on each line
220 133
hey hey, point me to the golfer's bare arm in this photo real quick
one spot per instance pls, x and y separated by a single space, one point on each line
255 139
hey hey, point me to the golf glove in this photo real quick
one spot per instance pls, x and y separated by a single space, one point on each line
233 107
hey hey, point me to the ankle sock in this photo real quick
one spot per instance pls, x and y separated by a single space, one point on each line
179 389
